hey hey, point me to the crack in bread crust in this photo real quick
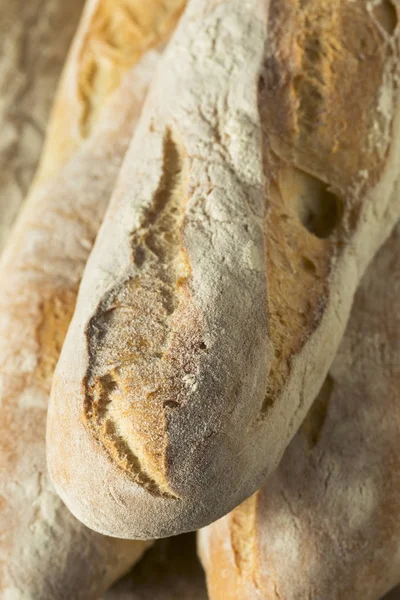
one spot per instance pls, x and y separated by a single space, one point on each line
141 358
242 532
328 82
121 32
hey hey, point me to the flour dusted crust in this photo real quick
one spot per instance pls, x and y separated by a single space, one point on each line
250 202
326 523
31 59
45 553
112 37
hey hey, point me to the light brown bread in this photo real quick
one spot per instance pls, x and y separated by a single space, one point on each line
170 570
326 525
34 39
45 553
112 36
261 180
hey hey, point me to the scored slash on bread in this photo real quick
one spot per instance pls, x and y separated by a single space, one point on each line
112 37
262 179
326 523
44 551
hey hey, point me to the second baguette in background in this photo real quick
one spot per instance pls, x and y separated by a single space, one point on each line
326 524
44 551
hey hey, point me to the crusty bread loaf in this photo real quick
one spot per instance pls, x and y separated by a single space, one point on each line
170 570
262 179
112 36
34 39
326 525
45 553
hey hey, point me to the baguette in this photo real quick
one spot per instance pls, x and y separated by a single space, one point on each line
170 570
112 36
31 58
262 179
45 553
327 523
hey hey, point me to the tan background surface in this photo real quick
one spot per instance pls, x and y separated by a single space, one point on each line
34 39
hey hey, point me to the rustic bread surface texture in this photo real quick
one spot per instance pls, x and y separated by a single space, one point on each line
45 553
112 36
326 524
34 39
262 179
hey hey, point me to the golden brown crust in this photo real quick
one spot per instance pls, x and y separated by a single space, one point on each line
113 36
119 34
42 546
56 312
325 124
326 114
206 389
327 521
45 552
134 376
